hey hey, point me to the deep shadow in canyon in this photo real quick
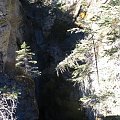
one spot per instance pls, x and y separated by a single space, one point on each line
45 30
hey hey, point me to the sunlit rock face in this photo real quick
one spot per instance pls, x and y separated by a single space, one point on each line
100 76
66 2
104 86
9 22
5 28
103 81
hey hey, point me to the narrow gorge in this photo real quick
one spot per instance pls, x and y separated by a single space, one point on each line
76 45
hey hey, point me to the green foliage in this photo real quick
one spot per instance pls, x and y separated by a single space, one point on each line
11 92
24 60
102 25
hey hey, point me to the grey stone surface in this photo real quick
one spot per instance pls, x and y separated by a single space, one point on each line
26 107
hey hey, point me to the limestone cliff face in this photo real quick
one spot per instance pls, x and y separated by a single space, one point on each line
95 61
53 34
24 103
9 22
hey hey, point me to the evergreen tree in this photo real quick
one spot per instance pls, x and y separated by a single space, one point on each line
24 60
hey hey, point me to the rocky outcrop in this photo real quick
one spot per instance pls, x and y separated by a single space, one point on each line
17 98
4 29
53 30
10 19
95 61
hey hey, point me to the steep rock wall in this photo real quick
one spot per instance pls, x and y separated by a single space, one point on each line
9 22
17 98
98 74
22 105
83 55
